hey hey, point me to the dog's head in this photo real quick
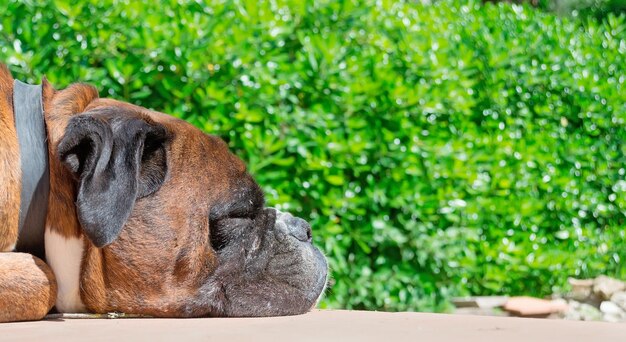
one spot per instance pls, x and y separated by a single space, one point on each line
174 224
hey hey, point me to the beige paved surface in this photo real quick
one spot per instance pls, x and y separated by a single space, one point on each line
318 326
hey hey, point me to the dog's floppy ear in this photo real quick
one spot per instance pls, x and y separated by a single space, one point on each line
117 158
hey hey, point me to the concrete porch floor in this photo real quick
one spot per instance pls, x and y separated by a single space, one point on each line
319 325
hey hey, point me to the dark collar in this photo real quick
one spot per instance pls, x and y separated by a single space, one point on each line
32 138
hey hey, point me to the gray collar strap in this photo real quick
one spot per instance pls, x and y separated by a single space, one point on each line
33 142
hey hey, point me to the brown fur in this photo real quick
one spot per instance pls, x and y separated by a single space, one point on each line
27 287
193 254
148 268
59 106
110 277
10 172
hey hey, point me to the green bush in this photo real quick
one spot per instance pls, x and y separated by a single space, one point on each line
595 8
438 150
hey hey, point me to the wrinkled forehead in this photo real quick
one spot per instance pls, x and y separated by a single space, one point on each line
187 142
199 165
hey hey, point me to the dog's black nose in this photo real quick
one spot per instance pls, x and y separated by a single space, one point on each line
297 227
301 229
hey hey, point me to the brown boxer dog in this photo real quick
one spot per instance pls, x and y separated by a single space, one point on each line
146 215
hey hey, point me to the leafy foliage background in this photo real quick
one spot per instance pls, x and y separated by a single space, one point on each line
438 150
